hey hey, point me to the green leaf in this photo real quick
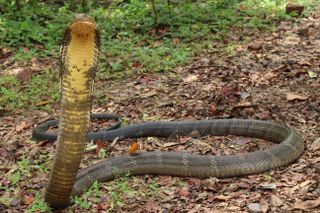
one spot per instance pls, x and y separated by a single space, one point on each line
312 74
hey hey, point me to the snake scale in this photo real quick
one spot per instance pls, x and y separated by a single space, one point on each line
79 57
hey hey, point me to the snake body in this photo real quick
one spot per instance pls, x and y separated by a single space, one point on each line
81 45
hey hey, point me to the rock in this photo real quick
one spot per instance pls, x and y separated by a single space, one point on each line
254 207
294 8
268 185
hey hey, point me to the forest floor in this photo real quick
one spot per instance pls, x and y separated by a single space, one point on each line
275 77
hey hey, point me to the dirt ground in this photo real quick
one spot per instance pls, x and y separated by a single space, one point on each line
275 77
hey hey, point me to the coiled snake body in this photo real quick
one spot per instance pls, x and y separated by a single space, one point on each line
79 59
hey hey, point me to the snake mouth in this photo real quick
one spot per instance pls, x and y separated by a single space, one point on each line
82 24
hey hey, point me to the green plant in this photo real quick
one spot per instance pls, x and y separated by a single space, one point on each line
33 28
39 91
119 189
82 201
154 186
22 171
38 204
14 178
102 153
133 41
7 92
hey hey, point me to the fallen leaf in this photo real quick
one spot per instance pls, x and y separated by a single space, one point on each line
205 60
190 78
315 145
243 7
270 75
157 43
292 96
213 109
264 205
142 80
226 197
291 40
315 85
183 192
136 65
169 191
23 125
21 73
275 200
226 90
42 103
212 184
149 94
175 41
100 145
255 45
25 75
27 199
40 178
241 141
305 205
169 144
263 115
202 196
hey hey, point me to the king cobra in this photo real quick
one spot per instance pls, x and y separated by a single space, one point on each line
79 57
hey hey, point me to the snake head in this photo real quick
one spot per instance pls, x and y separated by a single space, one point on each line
82 24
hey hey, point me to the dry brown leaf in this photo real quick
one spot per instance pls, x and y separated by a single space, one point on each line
157 43
264 205
292 96
100 145
190 78
212 184
170 144
42 103
27 199
291 40
275 200
305 205
169 191
213 109
183 192
255 45
175 41
23 125
149 94
315 145
226 197
271 75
